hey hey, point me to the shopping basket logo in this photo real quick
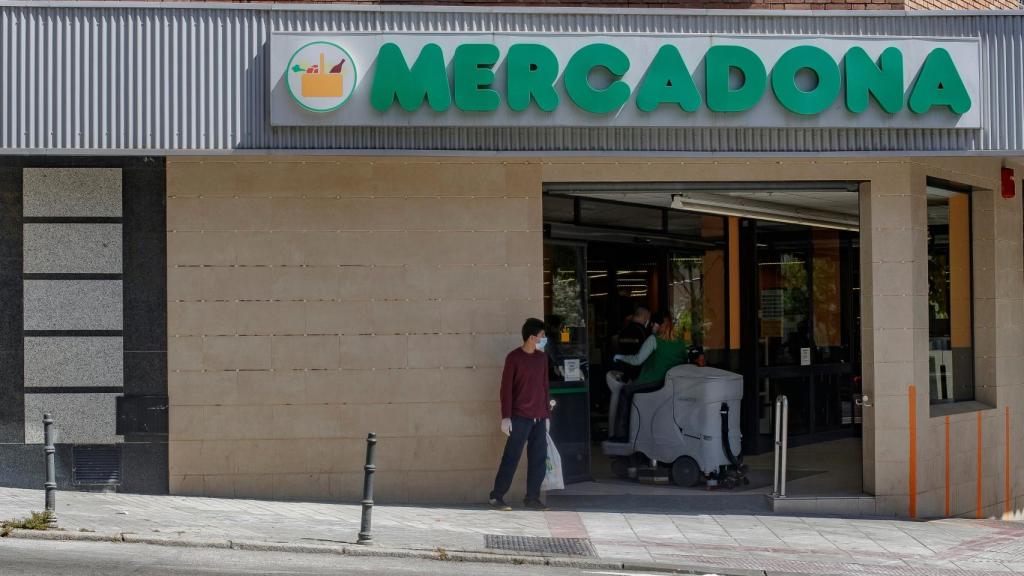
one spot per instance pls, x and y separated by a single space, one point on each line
321 76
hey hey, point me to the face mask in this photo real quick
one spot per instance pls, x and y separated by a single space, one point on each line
542 343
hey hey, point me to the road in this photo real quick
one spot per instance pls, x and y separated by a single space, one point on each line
50 558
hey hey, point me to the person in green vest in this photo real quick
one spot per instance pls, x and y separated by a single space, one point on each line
662 351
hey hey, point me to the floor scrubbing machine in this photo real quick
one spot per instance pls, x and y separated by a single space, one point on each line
691 424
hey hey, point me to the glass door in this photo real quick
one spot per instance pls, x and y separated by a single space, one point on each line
807 324
565 315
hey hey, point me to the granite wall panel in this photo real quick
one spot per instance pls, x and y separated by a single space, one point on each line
72 192
73 305
74 361
78 418
72 248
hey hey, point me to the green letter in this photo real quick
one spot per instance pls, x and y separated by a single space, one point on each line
473 70
718 62
668 80
819 98
939 84
532 70
577 83
427 79
883 80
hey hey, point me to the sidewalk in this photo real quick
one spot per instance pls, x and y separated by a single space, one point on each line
737 541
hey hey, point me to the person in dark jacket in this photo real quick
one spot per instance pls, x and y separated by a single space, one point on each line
524 416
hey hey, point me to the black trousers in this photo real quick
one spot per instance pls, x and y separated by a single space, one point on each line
532 433
625 409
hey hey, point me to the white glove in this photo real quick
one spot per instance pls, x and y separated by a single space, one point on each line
506 426
618 358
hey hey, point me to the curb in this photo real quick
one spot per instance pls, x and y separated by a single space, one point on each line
356 550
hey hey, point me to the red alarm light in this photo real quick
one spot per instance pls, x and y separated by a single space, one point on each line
1009 188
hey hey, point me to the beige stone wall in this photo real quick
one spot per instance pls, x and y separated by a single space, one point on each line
314 299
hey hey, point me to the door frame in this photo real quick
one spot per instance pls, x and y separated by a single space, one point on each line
576 388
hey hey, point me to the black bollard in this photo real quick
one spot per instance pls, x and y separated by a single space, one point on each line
365 537
51 467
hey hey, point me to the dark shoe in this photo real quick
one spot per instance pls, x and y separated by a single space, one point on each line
499 504
535 505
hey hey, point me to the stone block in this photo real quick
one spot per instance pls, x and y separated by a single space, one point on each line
278 318
441 350
490 350
441 282
473 316
73 305
202 318
254 486
334 317
891 479
78 418
237 353
307 421
184 283
269 456
237 214
306 283
369 282
518 310
522 248
894 312
239 283
184 353
503 282
188 423
302 487
219 486
237 422
82 361
305 352
272 388
186 214
68 192
197 248
374 351
406 316
186 485
208 388
893 345
72 248
319 214
427 177
335 455
184 457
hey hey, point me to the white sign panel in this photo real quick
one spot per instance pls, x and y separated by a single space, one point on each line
319 79
572 370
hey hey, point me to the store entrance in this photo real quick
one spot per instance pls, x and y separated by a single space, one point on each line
776 302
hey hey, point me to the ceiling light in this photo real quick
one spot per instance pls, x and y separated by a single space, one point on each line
759 210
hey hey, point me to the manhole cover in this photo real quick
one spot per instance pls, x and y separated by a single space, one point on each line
556 546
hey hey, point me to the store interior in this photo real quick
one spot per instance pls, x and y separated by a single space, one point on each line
762 278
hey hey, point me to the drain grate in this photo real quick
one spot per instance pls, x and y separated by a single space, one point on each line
538 545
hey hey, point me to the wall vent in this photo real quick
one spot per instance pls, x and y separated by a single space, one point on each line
96 465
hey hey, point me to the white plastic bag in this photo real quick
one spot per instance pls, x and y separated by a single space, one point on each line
552 469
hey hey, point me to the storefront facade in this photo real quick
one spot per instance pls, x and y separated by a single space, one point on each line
245 271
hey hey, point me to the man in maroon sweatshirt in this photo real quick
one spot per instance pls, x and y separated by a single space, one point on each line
524 416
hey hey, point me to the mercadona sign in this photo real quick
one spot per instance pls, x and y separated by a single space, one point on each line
623 80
